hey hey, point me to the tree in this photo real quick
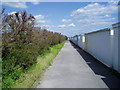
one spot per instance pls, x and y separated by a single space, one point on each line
20 26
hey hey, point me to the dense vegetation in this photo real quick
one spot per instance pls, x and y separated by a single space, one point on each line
22 43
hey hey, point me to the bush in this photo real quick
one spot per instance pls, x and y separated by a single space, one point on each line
22 43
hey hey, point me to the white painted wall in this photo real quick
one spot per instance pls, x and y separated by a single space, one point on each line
80 42
75 40
103 45
99 45
119 37
116 48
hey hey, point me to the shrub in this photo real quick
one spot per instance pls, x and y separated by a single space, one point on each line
22 43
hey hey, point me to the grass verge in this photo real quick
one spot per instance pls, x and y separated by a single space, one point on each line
35 72
0 73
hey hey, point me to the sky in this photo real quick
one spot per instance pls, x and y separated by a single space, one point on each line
68 18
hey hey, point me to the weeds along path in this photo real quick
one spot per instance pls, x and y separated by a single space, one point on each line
35 72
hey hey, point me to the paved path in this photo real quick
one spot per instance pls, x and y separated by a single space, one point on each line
70 69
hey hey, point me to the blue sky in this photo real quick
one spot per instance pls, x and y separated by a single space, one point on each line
68 18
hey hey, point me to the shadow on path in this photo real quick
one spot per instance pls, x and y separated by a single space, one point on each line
109 76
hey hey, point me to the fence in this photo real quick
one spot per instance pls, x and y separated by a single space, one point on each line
102 44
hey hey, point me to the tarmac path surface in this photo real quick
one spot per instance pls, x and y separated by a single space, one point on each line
74 68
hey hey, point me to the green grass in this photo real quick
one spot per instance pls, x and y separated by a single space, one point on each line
35 72
0 73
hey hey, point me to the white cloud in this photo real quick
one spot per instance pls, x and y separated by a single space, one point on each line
94 9
21 0
96 15
19 3
46 25
41 21
92 17
66 20
66 26
12 13
107 15
95 20
40 18
72 25
35 3
15 4
43 25
61 26
94 26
